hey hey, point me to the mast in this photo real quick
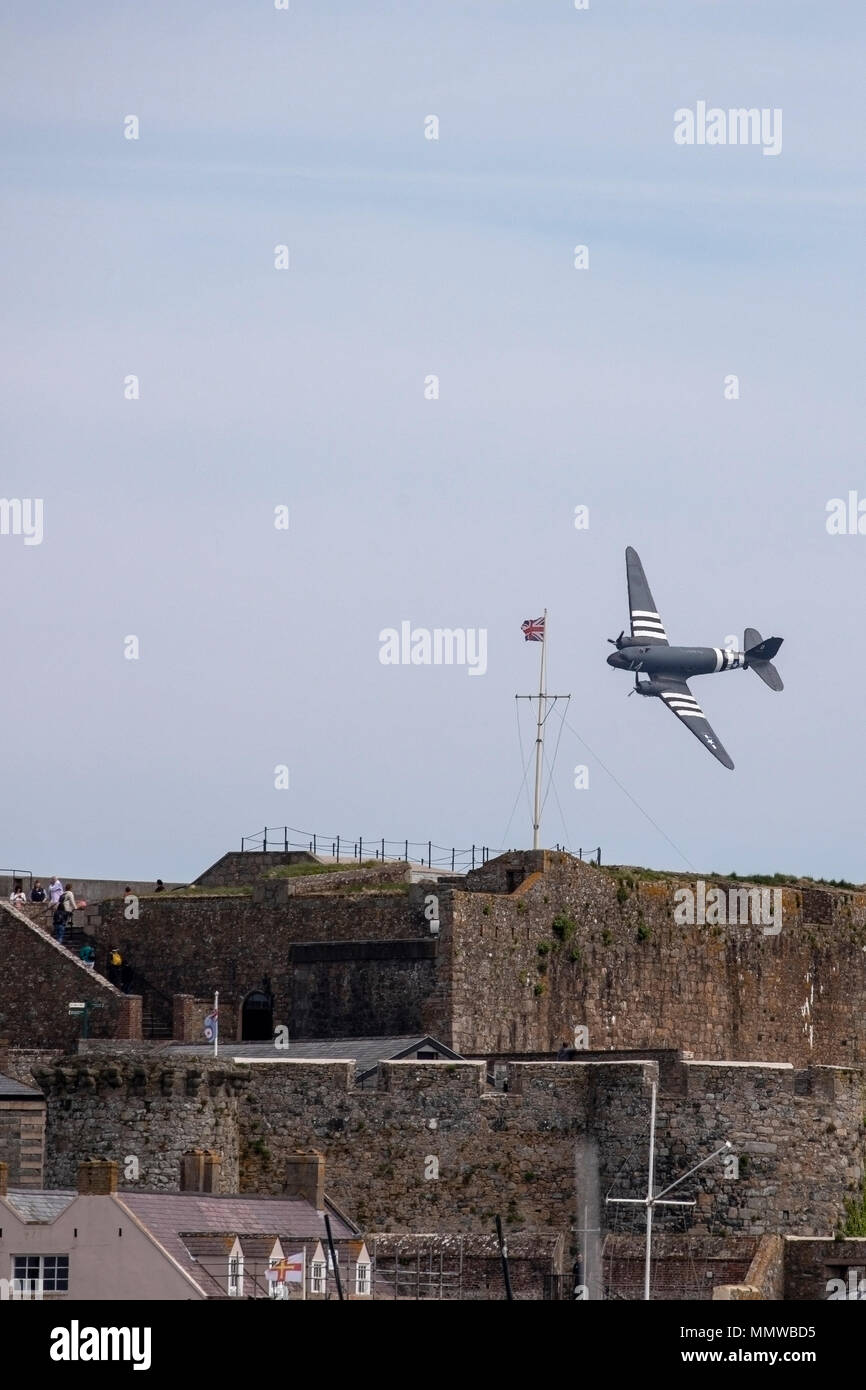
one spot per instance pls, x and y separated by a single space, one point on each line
657 1199
650 1197
539 739
531 627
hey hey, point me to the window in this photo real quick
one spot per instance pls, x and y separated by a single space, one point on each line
52 1270
317 1284
362 1278
236 1275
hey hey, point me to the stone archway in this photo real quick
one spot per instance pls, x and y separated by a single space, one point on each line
257 1017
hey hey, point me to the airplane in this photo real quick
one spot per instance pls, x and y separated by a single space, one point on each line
669 668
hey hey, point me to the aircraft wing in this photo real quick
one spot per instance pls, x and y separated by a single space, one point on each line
678 698
646 625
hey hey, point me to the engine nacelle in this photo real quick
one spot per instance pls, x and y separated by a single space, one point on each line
647 687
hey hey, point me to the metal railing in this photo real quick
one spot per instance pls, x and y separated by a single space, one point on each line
344 848
593 856
18 874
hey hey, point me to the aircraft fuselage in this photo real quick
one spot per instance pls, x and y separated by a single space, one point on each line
681 662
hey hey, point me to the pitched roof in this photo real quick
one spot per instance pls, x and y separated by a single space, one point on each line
208 1244
174 1219
258 1247
40 1207
10 1089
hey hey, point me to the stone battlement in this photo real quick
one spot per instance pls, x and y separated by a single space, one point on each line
434 1138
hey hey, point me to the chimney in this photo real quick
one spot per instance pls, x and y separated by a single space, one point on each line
97 1177
305 1179
4 1179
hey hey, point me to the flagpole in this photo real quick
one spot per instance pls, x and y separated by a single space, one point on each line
216 1023
539 740
650 1197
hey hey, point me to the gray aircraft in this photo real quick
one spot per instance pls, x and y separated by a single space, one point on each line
669 668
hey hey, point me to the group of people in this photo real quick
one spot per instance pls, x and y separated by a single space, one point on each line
63 903
60 897
37 892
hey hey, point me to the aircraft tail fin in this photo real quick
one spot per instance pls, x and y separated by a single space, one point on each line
759 653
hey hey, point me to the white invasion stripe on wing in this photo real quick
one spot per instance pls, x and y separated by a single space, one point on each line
686 706
644 613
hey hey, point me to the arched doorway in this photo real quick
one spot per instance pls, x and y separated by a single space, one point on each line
257 1017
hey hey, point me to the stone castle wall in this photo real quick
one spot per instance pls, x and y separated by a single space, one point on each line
623 969
530 947
38 981
434 1148
141 1110
241 867
230 943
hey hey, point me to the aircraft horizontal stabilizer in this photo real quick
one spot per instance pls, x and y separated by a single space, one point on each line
759 653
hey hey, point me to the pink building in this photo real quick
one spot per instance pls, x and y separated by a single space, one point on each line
100 1244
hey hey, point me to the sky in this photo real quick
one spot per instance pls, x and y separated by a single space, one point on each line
258 648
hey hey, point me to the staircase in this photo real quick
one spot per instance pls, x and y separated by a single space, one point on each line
153 1027
74 938
157 1009
41 915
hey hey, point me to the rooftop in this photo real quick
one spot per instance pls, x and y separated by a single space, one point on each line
181 1220
39 1207
10 1089
366 1053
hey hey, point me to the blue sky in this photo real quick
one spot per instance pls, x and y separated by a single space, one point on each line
558 387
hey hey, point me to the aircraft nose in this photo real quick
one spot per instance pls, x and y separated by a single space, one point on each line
613 659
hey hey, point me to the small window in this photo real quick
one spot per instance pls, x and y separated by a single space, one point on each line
317 1283
362 1279
48 1272
426 1055
236 1276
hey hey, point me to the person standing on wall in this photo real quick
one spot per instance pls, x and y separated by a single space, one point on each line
59 921
69 905
115 964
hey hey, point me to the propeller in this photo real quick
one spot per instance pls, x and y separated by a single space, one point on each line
618 642
634 687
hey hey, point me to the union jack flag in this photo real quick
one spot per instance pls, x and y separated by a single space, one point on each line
533 629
